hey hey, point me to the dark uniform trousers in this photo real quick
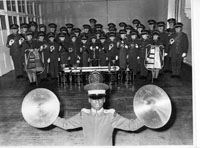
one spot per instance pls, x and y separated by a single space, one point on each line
179 47
98 127
15 53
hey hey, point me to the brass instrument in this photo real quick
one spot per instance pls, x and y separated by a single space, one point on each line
111 46
152 106
21 40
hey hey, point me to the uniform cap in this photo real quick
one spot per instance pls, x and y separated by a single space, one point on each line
93 37
151 22
24 25
51 34
112 34
42 26
133 32
143 32
63 28
161 24
41 33
77 30
111 25
178 24
156 32
69 25
86 26
14 26
136 21
102 36
122 31
52 25
92 20
112 29
84 37
29 33
72 35
32 23
99 26
96 90
122 24
141 26
171 20
61 34
129 27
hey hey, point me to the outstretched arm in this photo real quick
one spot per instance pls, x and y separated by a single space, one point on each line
71 123
123 123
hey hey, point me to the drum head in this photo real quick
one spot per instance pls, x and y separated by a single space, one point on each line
152 106
40 107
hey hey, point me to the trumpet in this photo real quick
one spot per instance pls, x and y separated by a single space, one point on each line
171 41
11 42
52 48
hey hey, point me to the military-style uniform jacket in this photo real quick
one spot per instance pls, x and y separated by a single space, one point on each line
132 54
63 52
123 49
98 126
103 53
180 44
73 52
94 50
112 50
84 55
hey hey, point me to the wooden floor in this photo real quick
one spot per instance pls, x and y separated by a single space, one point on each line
15 131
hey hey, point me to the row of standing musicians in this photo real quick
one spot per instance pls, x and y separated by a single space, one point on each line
128 47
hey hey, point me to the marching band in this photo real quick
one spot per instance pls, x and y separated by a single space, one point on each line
132 47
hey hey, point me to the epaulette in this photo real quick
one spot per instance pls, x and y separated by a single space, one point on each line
111 111
85 110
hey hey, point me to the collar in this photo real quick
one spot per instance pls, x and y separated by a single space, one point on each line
97 113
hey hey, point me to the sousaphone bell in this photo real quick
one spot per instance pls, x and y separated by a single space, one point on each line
40 107
152 106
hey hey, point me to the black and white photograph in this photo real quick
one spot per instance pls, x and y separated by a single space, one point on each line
99 73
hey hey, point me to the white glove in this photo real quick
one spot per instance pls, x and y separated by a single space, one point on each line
48 60
69 58
138 57
106 58
127 57
183 55
41 48
165 54
116 57
59 59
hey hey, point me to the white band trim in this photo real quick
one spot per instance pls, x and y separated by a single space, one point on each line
96 92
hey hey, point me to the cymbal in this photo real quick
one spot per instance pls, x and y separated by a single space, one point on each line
152 106
40 107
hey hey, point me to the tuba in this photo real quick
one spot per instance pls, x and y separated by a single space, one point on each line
21 40
111 46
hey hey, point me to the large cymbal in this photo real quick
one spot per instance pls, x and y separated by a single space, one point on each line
152 106
40 107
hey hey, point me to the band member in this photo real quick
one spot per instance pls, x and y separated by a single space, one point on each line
152 26
73 51
122 26
42 45
133 53
179 48
128 31
33 27
140 27
135 23
53 48
52 29
143 42
84 51
69 26
77 32
155 55
94 51
63 49
14 43
86 31
33 61
163 37
103 50
112 52
92 25
123 49
42 28
23 29
98 123
170 31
